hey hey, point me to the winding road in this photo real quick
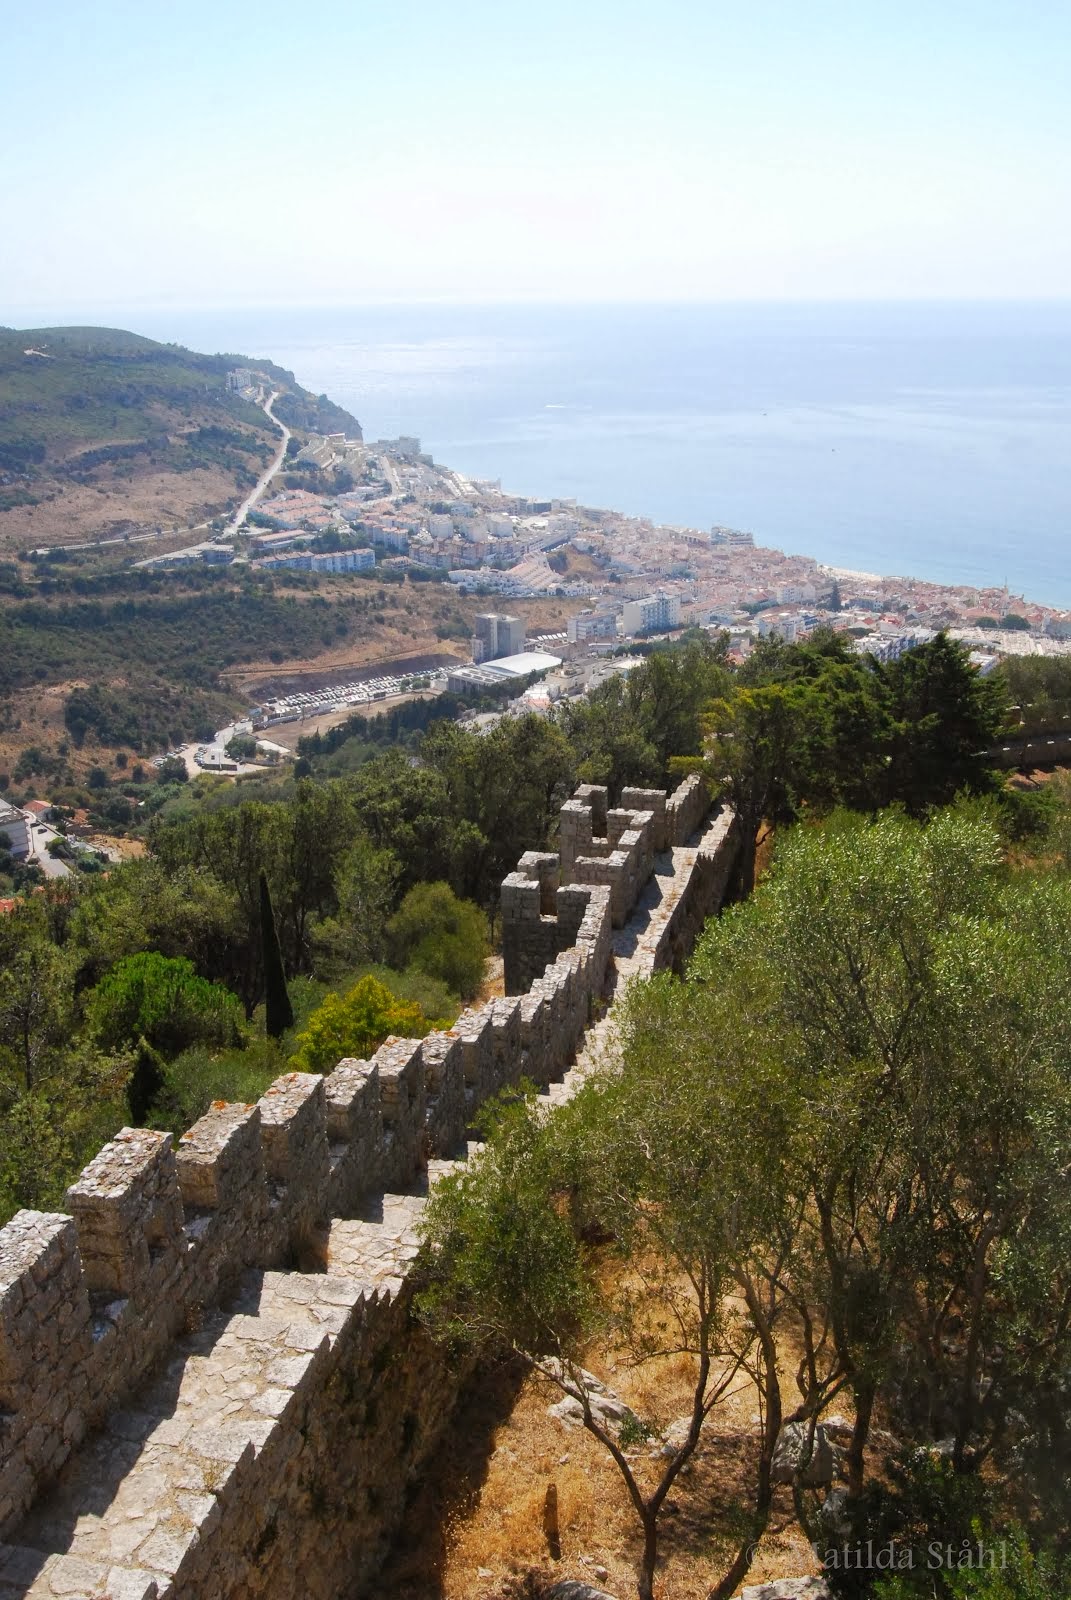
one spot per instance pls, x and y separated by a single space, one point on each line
265 478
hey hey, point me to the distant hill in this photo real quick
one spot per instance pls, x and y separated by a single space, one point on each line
104 433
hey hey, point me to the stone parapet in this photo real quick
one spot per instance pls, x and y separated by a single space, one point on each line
159 1232
127 1204
685 810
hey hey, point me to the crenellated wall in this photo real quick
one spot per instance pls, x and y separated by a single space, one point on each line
254 1202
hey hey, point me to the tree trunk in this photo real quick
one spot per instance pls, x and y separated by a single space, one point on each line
645 1583
967 1406
764 1485
865 1391
745 872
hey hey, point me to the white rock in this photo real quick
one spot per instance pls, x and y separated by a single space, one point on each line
791 1446
788 1589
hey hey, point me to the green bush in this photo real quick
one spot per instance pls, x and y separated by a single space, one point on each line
438 1003
442 935
198 1077
162 1000
355 1024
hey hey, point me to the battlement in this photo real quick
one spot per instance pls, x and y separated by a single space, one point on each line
545 900
159 1232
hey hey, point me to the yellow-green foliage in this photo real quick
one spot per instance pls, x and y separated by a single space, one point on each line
355 1024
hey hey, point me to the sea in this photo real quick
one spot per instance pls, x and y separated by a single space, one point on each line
924 440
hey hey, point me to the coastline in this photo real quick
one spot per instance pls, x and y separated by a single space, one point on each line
928 438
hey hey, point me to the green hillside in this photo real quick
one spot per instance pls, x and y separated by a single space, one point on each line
103 429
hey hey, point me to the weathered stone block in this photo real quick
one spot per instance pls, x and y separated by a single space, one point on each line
127 1203
220 1157
444 1083
294 1127
41 1284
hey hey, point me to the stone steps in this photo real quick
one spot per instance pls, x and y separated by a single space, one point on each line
150 1486
136 1512
141 1495
132 1506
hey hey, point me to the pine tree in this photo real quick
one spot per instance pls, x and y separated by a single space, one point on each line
279 1012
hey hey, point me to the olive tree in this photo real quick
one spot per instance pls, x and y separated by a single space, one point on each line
646 1168
916 994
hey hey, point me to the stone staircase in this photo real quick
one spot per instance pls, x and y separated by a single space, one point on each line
133 1511
226 1434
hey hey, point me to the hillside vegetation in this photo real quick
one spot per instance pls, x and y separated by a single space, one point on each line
833 1167
104 432
97 664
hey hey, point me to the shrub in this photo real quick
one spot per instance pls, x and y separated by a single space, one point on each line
355 1024
161 999
442 935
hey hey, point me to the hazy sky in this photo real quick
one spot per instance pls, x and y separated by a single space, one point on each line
220 152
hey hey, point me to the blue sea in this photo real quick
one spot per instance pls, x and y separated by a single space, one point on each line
925 440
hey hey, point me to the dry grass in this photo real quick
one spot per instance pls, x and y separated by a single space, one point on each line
79 512
476 1528
470 1533
493 986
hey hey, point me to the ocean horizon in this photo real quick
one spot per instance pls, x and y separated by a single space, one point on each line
916 439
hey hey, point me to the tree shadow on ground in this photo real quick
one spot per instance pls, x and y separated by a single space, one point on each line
450 1485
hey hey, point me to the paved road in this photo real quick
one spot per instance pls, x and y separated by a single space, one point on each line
265 477
41 834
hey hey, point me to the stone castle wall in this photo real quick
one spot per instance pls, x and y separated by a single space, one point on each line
309 1403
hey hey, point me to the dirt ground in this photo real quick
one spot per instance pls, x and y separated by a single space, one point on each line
477 1521
476 1525
87 511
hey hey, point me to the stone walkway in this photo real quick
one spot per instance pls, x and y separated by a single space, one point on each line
129 1512
635 955
144 1491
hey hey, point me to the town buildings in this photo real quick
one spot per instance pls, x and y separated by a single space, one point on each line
495 636
591 624
15 831
655 614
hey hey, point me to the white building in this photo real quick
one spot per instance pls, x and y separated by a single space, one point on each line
781 626
471 679
395 539
891 646
496 636
652 615
329 561
343 561
795 594
15 830
591 625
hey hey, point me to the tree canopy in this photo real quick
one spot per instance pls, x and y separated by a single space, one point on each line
851 1122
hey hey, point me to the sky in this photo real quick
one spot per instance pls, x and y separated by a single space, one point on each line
222 152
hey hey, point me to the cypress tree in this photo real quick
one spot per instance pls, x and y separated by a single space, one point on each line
279 1012
146 1081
